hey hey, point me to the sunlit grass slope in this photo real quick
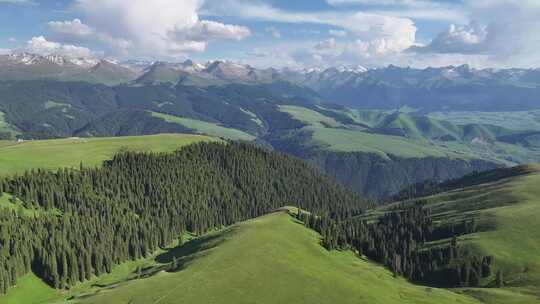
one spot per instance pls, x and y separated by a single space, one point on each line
204 127
507 212
51 154
271 259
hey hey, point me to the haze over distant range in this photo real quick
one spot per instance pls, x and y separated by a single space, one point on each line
276 33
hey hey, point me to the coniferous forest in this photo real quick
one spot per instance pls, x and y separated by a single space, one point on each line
398 240
91 219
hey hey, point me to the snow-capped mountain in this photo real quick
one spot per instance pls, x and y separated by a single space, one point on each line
35 59
355 86
27 66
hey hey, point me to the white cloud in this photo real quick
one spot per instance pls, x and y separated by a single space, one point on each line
389 34
468 39
75 28
273 31
12 39
78 32
337 33
40 45
210 30
155 28
505 31
417 9
328 44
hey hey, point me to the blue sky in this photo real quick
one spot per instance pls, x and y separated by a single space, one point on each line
294 33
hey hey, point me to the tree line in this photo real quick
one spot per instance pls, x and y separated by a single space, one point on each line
399 239
92 219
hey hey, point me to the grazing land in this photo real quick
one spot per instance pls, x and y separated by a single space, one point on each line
17 157
506 211
270 259
207 128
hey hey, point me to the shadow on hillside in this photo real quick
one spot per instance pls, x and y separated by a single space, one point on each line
183 254
194 247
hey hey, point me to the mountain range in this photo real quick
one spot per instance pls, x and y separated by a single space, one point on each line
413 140
430 89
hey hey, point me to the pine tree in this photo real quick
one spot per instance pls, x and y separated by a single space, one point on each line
499 280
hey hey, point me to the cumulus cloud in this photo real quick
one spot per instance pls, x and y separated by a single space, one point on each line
468 39
40 45
210 30
75 31
140 27
386 34
505 31
75 28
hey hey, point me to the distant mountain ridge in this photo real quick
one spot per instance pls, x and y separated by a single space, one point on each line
452 88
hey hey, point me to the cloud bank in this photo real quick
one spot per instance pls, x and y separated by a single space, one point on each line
166 28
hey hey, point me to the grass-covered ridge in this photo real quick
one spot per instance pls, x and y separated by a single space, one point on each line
271 259
207 128
506 212
139 202
416 135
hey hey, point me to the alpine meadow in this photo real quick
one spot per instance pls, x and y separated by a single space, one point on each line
269 151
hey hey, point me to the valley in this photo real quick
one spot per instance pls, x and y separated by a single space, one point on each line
278 116
278 238
269 151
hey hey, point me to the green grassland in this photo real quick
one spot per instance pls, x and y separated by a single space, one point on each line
410 135
206 128
271 259
310 117
8 202
383 145
507 213
18 157
520 120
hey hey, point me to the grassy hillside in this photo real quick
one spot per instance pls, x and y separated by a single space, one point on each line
410 135
519 120
207 128
271 259
506 211
17 157
383 145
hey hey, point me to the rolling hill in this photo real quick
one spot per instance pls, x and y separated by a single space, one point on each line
374 152
267 260
504 205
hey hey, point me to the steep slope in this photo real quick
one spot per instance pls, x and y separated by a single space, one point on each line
505 206
374 152
140 202
271 259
